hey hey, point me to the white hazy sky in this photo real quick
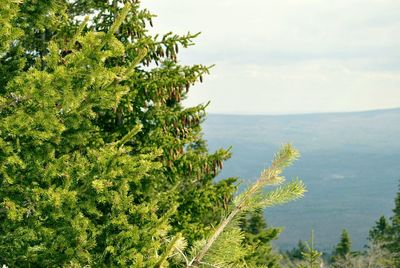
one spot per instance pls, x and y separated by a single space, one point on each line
290 56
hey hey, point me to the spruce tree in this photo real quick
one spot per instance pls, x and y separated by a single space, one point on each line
344 246
393 244
258 239
100 164
311 256
386 234
296 253
385 238
305 255
379 233
341 254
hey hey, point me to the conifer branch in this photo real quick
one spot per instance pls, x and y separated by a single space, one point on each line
117 23
252 198
197 259
170 248
142 53
120 18
78 32
283 194
129 135
209 264
182 254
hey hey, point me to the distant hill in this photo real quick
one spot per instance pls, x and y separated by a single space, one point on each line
350 163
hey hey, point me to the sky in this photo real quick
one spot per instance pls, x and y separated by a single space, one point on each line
289 56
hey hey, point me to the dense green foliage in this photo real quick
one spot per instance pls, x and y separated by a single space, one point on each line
379 232
394 231
343 248
226 246
305 255
100 164
386 234
296 252
342 251
258 238
311 256
383 248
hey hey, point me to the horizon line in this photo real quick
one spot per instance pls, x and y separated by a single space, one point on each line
305 113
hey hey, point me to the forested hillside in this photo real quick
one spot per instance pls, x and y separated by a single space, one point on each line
349 163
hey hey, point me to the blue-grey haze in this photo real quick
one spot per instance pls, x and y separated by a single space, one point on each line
350 164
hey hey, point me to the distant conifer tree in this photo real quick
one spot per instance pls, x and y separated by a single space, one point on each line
341 253
379 233
295 253
305 255
344 246
393 244
386 234
258 239
311 256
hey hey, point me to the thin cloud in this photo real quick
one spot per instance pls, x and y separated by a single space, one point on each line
290 56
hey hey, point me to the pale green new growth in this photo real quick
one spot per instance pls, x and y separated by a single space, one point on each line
223 248
78 33
312 256
282 159
272 176
117 23
175 246
229 244
285 157
130 135
283 194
